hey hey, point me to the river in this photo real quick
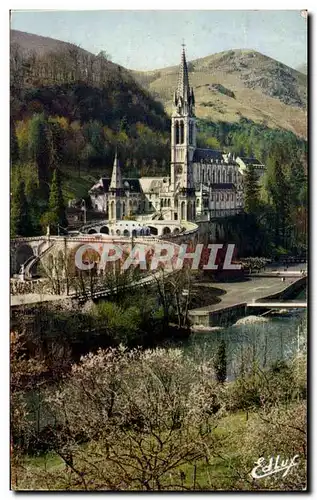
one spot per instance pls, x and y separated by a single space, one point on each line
274 339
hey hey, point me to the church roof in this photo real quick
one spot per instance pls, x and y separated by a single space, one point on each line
132 185
105 184
153 184
250 161
209 155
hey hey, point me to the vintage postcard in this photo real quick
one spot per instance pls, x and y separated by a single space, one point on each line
158 270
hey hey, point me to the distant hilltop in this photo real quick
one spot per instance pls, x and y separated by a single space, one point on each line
228 86
239 83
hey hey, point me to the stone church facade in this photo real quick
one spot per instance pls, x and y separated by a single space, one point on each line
203 183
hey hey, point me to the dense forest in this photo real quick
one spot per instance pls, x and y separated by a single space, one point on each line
275 218
92 113
70 111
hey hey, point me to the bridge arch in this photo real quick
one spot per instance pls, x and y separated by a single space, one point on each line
166 230
104 230
153 230
23 253
92 231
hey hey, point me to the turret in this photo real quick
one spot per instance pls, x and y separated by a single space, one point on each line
116 179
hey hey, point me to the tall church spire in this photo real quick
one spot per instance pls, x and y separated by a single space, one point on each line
183 89
116 179
184 100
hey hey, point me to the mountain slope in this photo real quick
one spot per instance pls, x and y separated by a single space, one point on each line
38 44
228 86
302 68
90 105
50 55
45 70
238 83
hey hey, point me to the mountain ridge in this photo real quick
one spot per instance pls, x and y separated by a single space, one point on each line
230 85
238 83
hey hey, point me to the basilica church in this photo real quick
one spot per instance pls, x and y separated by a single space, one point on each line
203 183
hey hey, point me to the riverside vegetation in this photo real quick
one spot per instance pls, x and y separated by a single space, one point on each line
157 420
106 406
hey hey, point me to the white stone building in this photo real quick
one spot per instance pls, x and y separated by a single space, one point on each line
203 183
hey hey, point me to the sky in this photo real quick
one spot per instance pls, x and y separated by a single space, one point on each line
145 40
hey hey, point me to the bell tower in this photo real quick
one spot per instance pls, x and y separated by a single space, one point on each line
183 130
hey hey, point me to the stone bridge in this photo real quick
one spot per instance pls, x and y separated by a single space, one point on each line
126 228
24 250
48 249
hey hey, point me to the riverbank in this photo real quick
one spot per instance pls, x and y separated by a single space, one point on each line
235 296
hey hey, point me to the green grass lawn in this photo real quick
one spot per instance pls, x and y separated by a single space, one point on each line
218 474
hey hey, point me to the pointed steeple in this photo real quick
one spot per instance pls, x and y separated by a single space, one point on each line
183 89
184 100
116 179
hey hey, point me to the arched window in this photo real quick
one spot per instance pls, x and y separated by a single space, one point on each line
191 133
197 202
177 133
223 176
112 210
230 176
219 178
183 208
203 176
182 132
213 177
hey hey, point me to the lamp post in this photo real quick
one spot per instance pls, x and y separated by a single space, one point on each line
84 208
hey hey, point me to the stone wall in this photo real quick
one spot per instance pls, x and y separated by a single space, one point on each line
41 286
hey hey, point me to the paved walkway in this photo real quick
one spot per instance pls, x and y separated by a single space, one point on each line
245 291
255 288
33 298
